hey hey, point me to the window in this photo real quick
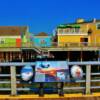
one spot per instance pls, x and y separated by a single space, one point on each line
72 30
98 26
42 42
89 31
2 41
77 30
84 41
67 30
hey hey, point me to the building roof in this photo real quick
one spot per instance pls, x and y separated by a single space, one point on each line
76 24
69 26
42 34
12 30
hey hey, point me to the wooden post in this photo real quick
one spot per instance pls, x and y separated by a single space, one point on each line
41 91
60 89
68 56
81 56
22 56
98 55
13 80
98 60
19 56
6 56
3 57
10 56
88 79
0 56
31 55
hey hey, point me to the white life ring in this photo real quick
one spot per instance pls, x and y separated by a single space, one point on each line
76 72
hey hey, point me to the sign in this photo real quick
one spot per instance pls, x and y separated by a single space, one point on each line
27 73
51 71
76 72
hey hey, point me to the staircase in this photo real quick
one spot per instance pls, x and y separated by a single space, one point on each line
41 51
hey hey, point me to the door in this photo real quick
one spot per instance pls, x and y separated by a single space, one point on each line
84 41
18 42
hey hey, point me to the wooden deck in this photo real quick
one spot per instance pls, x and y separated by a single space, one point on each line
54 47
95 96
74 49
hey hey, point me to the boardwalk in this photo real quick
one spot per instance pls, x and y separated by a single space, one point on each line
95 96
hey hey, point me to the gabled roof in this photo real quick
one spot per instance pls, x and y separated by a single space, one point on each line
12 30
42 34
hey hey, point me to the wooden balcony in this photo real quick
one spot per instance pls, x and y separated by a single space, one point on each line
74 46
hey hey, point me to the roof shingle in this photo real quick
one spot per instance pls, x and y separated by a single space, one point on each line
12 30
42 34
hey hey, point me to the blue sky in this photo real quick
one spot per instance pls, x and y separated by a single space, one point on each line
45 15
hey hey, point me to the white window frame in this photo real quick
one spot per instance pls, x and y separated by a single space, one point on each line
97 26
2 39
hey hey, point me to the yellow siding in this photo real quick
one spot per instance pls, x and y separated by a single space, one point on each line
93 38
62 39
69 38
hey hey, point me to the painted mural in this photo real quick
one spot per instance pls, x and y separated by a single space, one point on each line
52 71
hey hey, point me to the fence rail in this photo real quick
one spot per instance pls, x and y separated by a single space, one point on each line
14 85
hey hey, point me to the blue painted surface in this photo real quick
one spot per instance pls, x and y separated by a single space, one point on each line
51 71
27 73
44 15
42 41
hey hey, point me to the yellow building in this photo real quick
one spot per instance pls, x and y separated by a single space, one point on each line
79 33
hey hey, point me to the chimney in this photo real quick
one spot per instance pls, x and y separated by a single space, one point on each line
94 20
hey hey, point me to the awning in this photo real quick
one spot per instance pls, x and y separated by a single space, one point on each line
68 26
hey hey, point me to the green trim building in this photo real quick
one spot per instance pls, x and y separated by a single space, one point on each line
13 36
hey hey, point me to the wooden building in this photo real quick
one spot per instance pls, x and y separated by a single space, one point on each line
81 32
12 38
42 40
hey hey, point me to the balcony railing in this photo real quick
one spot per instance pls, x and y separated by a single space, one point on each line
73 33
